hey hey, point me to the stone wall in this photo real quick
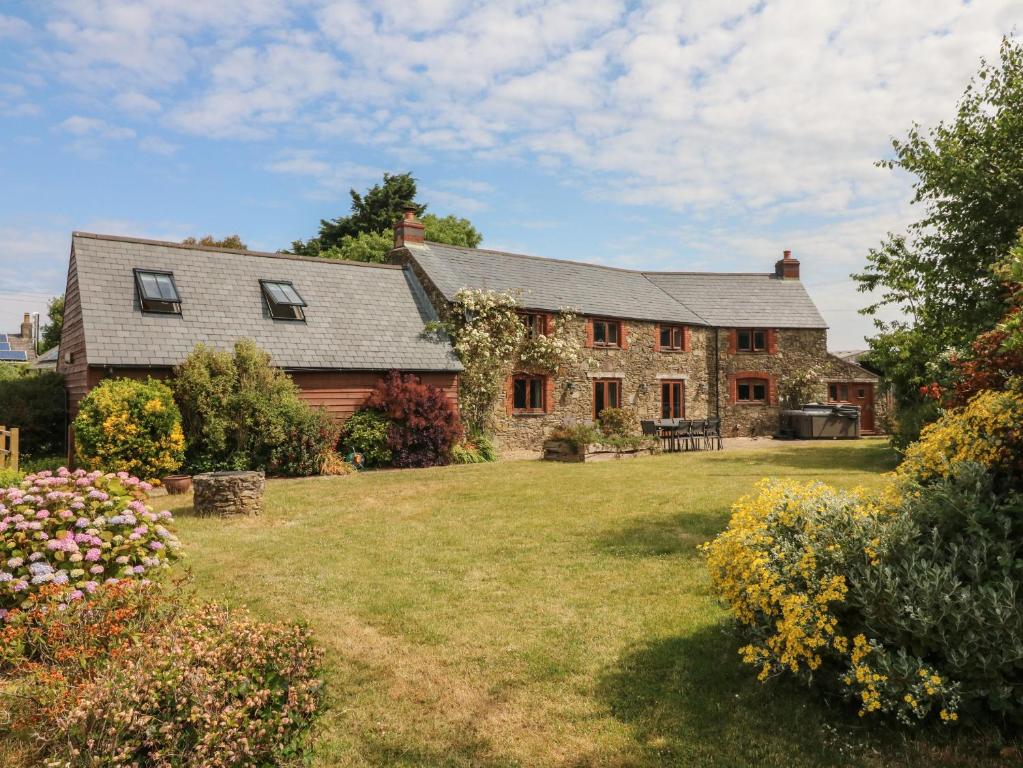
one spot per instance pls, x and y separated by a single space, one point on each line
640 369
795 350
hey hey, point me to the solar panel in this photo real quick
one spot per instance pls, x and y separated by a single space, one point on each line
17 357
3 337
5 346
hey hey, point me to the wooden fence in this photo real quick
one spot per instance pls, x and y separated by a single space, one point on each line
8 448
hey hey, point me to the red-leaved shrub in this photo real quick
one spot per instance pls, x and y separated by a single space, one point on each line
425 425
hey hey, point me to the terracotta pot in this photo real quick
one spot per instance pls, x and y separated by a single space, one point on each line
177 483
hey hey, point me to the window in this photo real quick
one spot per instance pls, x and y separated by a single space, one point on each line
673 338
838 393
535 322
157 292
607 393
606 333
751 340
283 300
673 399
751 391
528 394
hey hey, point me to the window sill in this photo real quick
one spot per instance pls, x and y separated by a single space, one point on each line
529 414
672 351
760 403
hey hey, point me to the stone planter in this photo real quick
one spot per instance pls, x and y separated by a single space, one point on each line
177 483
222 494
562 450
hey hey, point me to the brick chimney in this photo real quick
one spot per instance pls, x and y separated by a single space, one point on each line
409 229
786 267
26 327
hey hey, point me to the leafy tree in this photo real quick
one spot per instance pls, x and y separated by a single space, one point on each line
365 246
450 230
52 331
365 234
969 180
233 242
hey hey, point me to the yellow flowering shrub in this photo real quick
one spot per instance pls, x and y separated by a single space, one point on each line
780 565
790 564
988 430
125 425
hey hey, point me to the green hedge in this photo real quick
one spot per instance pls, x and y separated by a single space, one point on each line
35 403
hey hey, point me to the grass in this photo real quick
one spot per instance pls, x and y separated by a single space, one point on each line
534 614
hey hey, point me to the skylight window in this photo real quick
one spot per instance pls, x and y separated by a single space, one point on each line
283 300
157 292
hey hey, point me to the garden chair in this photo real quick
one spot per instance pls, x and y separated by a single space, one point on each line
714 434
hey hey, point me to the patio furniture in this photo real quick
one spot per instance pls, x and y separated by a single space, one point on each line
712 434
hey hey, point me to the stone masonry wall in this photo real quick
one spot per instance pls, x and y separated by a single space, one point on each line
796 350
640 369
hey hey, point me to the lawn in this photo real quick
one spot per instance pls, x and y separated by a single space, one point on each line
532 614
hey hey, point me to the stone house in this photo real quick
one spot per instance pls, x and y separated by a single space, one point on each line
664 344
136 308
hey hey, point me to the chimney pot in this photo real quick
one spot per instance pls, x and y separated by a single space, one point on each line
787 268
408 229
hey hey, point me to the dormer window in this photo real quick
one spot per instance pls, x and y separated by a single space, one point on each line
157 292
282 300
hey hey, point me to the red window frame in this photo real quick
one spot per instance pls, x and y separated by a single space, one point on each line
535 323
672 338
751 383
607 326
607 393
533 391
673 399
756 339
835 392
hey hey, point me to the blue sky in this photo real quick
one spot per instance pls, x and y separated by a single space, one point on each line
666 135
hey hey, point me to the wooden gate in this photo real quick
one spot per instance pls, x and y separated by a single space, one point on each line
8 448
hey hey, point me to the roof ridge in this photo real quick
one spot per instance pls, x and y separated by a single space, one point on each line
216 249
708 273
534 257
643 272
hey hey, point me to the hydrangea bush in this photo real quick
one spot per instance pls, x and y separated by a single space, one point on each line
78 530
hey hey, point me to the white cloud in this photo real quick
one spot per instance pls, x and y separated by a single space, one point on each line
12 27
136 103
78 125
157 146
329 177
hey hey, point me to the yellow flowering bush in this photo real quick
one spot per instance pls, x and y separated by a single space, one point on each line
789 565
988 430
126 425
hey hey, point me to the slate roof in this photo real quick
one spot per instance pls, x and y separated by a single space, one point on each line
359 316
738 300
550 284
694 298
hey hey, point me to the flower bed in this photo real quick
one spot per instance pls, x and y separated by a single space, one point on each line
78 529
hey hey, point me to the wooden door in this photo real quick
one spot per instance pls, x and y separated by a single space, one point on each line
857 393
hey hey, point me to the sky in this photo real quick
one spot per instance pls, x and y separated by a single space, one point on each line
679 135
